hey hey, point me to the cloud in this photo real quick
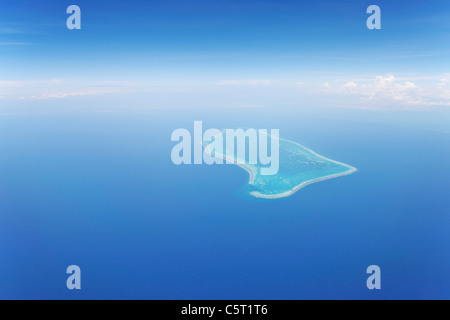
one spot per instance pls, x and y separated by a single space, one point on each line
350 84
245 83
443 83
28 83
383 82
60 95
49 89
15 44
378 92
388 91
43 89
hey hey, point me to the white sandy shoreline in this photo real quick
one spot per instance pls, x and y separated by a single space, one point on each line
301 186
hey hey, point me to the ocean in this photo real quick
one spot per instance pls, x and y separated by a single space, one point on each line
100 191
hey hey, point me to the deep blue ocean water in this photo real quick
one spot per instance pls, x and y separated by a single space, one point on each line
100 192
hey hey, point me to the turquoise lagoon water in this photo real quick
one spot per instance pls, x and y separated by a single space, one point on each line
298 167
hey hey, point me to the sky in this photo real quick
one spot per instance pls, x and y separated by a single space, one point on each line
230 63
300 53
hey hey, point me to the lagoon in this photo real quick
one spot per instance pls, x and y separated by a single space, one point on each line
298 167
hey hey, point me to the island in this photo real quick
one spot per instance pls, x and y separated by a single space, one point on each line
298 168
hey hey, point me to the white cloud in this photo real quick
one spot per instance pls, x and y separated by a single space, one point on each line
42 89
28 83
378 92
388 91
258 82
443 83
15 44
383 82
350 84
60 95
